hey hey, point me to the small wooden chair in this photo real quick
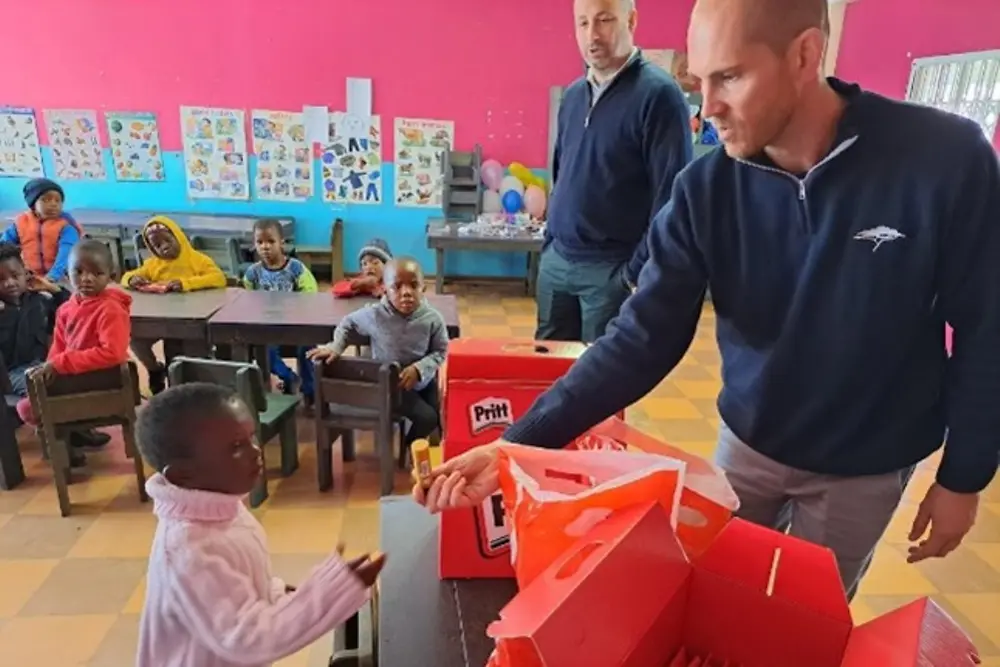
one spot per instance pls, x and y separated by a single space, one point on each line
356 394
275 413
11 467
77 402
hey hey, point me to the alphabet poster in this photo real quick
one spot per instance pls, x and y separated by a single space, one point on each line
75 143
420 146
284 157
20 154
352 161
215 153
135 146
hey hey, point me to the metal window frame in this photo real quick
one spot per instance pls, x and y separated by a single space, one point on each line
935 65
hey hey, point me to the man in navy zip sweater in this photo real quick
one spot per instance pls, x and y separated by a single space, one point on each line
623 135
838 232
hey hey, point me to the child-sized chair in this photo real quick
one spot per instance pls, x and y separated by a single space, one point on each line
11 467
275 413
91 400
357 394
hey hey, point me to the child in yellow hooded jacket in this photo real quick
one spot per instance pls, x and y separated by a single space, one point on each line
174 266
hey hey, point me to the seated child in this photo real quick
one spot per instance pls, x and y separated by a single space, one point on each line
45 233
405 329
84 334
211 597
373 258
173 267
277 272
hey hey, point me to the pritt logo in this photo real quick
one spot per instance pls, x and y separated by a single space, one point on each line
490 412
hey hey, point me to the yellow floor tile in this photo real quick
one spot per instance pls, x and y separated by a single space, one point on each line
693 389
891 575
302 531
115 536
137 599
53 640
19 581
983 610
671 408
88 497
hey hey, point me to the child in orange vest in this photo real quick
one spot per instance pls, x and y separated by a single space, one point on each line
45 233
373 257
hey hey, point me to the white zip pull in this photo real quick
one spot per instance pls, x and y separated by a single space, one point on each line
802 190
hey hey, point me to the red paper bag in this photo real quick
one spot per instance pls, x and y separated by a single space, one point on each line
707 501
554 497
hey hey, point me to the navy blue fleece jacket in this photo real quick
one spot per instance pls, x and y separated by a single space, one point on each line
615 163
831 294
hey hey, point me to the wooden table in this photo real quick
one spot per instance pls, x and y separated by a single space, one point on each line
444 235
260 319
180 318
422 620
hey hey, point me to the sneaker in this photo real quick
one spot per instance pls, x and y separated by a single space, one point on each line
157 381
290 386
89 439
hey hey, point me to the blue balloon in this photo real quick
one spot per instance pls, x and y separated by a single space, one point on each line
511 201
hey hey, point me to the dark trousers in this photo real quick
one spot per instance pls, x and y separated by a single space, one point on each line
423 409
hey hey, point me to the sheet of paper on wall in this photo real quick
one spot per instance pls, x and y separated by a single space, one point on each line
420 146
351 164
359 97
284 156
316 119
215 153
20 150
75 144
134 140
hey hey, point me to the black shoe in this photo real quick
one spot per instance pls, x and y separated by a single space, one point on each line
77 459
290 387
157 381
89 439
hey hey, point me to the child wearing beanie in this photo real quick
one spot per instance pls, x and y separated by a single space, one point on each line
372 257
45 232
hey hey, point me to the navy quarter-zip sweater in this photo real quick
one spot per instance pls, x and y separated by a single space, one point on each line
831 294
615 163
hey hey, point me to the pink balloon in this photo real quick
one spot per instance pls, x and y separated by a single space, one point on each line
492 174
534 201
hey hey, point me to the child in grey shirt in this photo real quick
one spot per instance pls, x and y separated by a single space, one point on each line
405 329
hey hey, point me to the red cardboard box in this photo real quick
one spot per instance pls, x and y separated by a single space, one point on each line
626 596
488 384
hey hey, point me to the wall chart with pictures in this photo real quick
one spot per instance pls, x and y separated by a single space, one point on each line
284 158
420 146
135 146
75 143
20 152
352 161
215 153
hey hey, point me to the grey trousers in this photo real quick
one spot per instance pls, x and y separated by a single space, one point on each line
848 515
576 300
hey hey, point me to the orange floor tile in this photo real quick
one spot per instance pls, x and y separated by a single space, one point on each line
71 589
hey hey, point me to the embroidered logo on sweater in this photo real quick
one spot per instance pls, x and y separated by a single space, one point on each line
879 235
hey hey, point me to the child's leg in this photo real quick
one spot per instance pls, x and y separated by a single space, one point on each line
280 368
421 408
19 378
142 348
306 373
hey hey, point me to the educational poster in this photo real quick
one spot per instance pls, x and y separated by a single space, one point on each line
284 158
135 146
20 154
352 161
420 146
75 143
215 153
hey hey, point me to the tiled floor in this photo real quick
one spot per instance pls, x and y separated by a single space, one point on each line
71 589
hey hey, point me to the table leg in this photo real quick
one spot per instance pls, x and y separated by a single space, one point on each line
439 271
260 356
199 349
534 259
11 468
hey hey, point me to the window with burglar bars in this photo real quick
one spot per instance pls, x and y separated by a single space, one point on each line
966 84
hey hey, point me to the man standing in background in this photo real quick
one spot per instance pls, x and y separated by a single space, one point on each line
623 135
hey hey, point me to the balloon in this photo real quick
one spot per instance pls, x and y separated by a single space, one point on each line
511 183
521 173
511 201
492 174
534 201
491 202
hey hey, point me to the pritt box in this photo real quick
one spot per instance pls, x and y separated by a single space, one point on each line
489 383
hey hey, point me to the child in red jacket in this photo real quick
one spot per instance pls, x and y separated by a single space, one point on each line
92 328
373 257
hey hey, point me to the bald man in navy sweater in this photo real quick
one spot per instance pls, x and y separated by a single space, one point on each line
624 133
838 232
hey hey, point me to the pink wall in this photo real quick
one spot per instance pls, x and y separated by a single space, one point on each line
882 37
485 64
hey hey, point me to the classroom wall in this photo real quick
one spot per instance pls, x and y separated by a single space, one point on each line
881 38
486 65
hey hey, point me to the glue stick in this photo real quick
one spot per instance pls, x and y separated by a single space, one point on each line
420 450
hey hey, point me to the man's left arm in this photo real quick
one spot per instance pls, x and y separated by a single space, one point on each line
667 149
969 293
